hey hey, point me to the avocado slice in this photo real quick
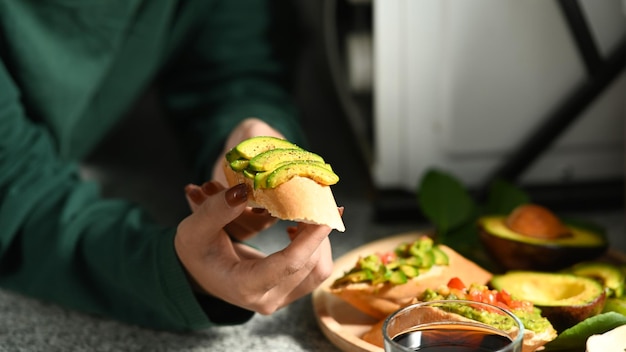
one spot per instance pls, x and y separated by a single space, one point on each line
356 276
271 159
609 275
239 164
564 299
514 251
313 170
260 177
441 258
249 148
398 277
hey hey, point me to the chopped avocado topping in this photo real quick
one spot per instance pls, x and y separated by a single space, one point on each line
441 258
407 261
272 161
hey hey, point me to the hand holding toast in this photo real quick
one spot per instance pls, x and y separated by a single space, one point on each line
239 274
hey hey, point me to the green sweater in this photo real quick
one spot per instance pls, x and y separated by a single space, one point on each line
69 70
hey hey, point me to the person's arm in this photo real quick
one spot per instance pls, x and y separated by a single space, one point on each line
60 242
234 67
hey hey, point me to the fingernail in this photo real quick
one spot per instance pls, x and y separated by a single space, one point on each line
237 195
210 188
194 194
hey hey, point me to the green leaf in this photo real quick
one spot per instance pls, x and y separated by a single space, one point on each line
504 197
575 338
444 201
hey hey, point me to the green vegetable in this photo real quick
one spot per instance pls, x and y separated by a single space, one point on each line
575 338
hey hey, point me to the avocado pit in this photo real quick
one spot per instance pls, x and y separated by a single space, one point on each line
536 221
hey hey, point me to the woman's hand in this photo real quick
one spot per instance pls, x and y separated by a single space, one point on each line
240 274
248 224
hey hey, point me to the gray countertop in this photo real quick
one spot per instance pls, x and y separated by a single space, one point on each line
30 325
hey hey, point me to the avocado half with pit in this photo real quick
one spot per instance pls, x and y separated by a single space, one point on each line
532 238
564 299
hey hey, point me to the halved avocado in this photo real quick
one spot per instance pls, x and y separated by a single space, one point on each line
515 251
609 275
564 299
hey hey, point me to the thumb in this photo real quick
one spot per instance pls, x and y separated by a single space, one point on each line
219 209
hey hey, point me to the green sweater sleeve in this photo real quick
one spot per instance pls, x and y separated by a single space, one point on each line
235 65
60 242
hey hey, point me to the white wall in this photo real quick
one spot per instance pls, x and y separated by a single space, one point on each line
459 84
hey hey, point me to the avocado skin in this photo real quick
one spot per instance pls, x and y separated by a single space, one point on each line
562 313
540 255
563 318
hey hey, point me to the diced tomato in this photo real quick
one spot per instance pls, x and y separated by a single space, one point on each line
504 297
489 297
387 257
522 305
456 283
475 295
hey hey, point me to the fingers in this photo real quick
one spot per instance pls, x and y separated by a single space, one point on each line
208 220
258 282
287 273
194 196
321 271
248 224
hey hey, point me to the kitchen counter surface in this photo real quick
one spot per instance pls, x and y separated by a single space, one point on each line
30 325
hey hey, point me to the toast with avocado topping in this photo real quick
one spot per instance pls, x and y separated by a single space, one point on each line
288 181
380 283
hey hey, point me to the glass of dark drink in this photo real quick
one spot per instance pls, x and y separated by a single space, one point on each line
453 326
